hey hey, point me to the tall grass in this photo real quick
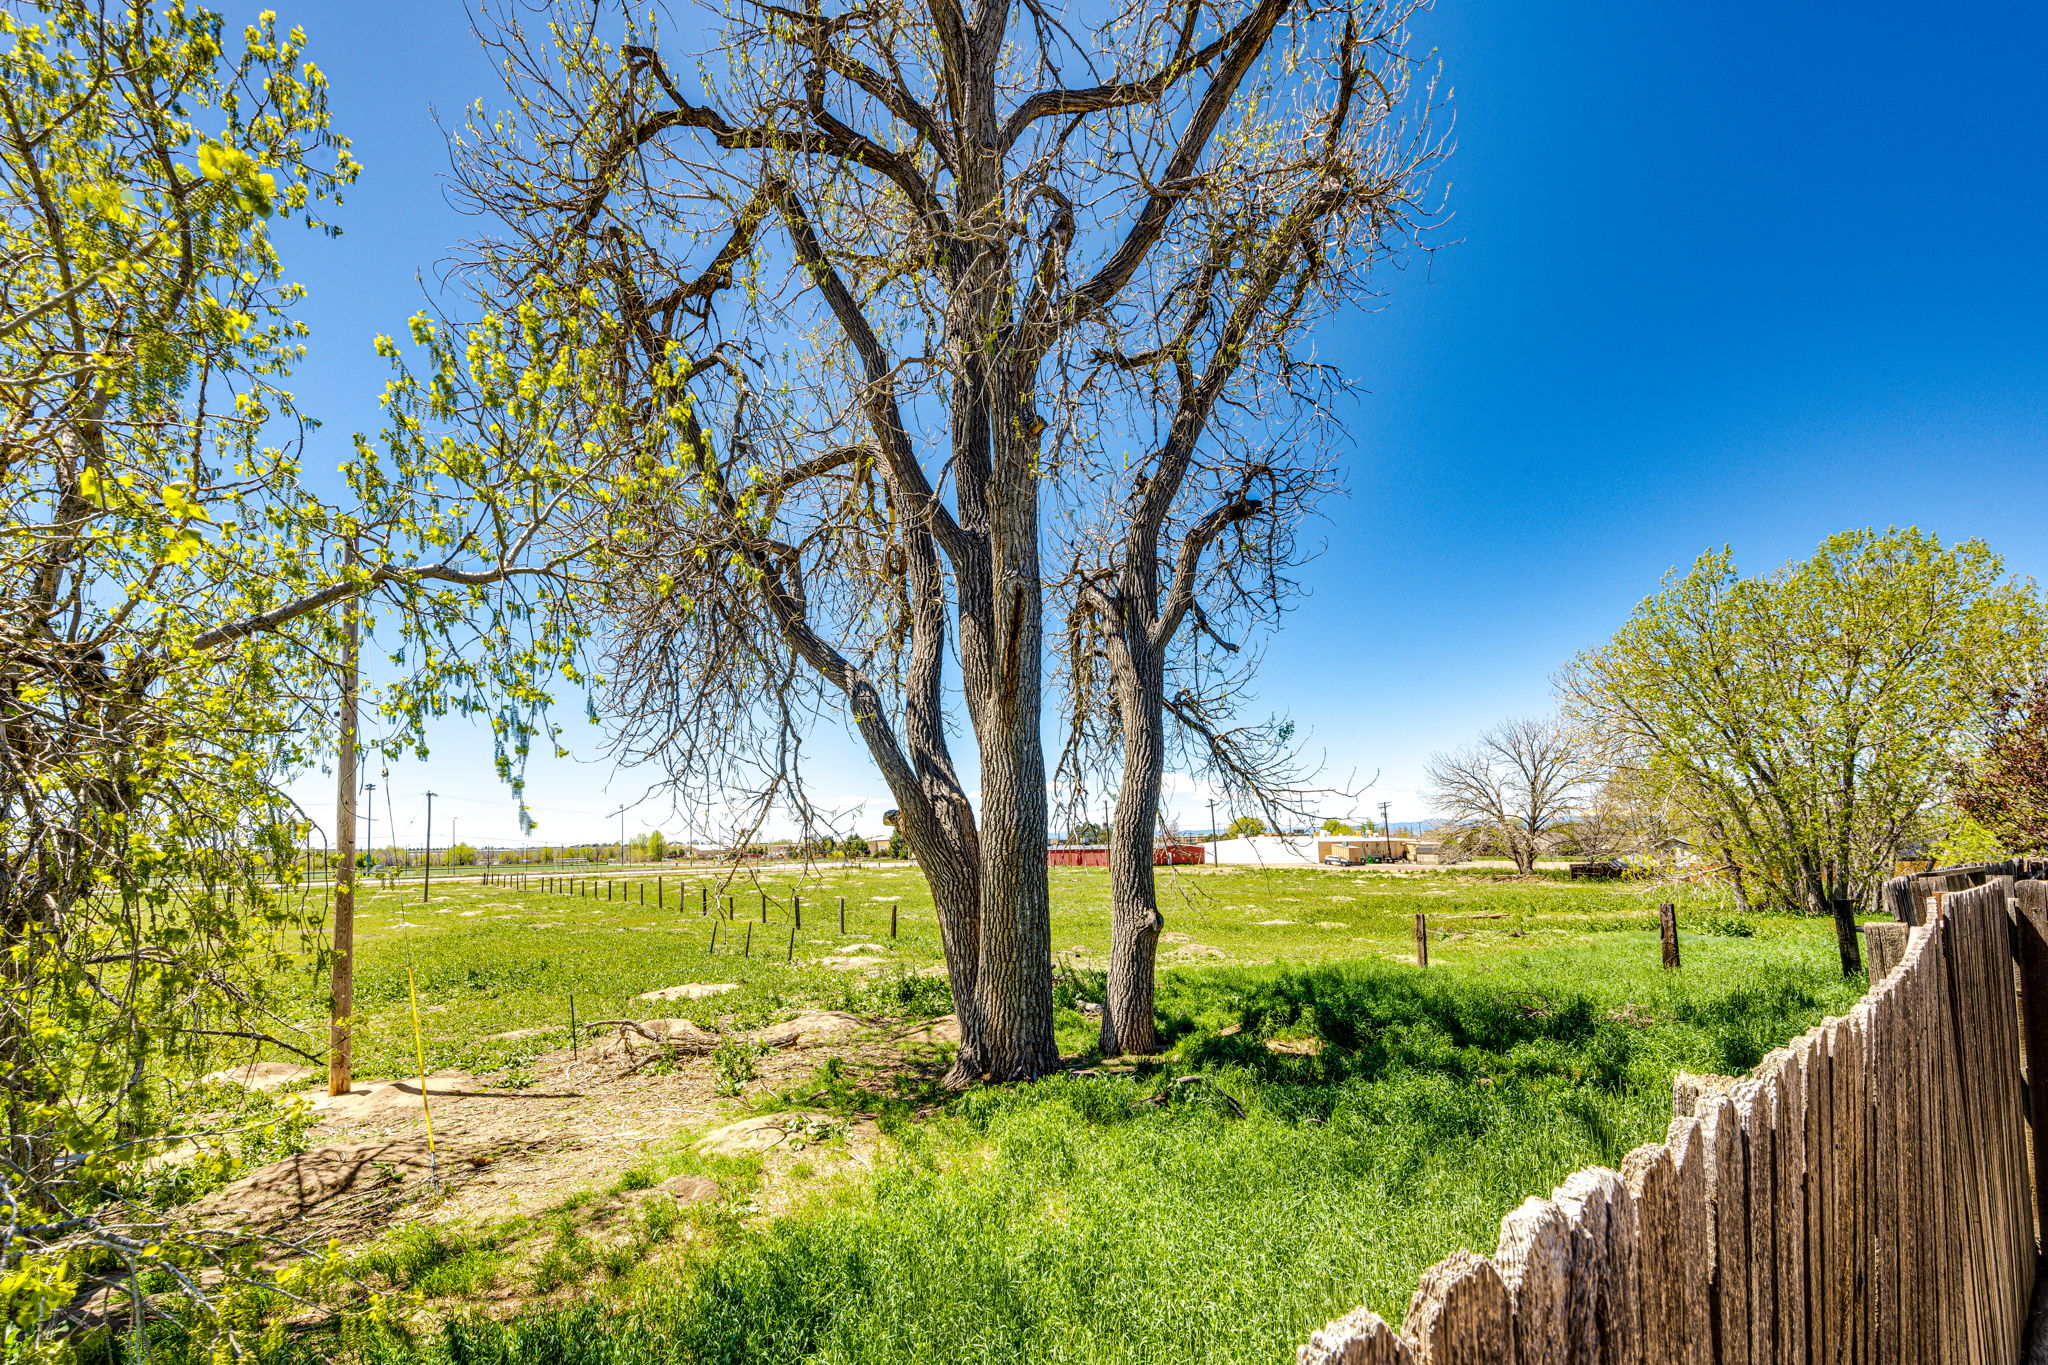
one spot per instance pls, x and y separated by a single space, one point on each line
1148 1217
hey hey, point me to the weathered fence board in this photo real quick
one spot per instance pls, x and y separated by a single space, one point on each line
1869 1195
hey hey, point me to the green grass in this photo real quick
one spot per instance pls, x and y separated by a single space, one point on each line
490 959
1133 1216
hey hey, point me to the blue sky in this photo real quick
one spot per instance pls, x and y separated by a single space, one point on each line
1717 274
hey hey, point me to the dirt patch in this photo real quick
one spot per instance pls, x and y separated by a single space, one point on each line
945 1029
690 990
261 1076
349 1187
808 1030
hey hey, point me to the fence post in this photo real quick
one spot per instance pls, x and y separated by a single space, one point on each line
892 919
1667 929
796 910
1844 913
1421 939
842 915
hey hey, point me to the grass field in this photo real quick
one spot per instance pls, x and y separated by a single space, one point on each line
492 959
1389 1115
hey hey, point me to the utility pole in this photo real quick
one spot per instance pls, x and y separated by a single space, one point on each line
427 872
1386 831
341 983
1215 835
454 838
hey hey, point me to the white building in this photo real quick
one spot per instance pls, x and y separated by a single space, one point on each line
1267 850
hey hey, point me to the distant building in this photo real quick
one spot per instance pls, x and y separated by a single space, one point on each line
1673 849
1360 848
1266 850
1097 855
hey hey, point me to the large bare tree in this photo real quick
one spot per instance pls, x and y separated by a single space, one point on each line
1194 535
1521 779
874 272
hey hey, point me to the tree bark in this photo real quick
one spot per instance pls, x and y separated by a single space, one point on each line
1129 1024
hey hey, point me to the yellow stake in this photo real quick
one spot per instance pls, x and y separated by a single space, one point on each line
419 1052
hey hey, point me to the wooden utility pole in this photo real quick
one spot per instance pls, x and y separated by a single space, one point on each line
341 991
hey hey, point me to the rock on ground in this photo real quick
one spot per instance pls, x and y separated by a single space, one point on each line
854 963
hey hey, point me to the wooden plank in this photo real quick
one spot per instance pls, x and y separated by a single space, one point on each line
1887 944
1825 1336
1462 1314
1360 1337
1727 1180
2031 928
1788 1124
1849 1049
1963 1335
2013 1203
1605 1287
1653 1186
1535 1263
1895 897
1755 1101
1686 1141
1881 1087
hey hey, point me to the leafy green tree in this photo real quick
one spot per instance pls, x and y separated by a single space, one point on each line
1811 717
899 847
462 855
1334 826
1247 827
855 846
173 593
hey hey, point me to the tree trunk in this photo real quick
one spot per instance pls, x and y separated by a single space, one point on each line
1128 1021
1013 987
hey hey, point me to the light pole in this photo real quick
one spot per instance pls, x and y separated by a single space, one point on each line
1215 834
370 822
622 838
427 871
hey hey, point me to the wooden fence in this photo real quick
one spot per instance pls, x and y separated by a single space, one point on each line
1866 1194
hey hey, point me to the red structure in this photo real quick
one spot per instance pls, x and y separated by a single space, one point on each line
1097 855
